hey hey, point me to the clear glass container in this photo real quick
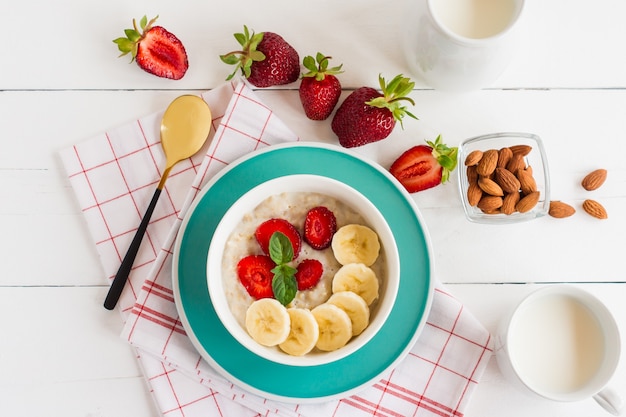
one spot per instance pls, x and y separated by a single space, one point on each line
536 159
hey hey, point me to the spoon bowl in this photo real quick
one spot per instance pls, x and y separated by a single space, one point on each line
185 128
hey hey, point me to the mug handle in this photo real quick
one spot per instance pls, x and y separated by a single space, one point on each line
610 401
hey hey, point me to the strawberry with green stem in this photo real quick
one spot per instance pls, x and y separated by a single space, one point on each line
368 115
425 166
265 59
156 50
319 89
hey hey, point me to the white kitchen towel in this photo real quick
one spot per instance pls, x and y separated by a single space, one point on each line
114 176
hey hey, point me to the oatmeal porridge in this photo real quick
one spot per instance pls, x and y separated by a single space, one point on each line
293 207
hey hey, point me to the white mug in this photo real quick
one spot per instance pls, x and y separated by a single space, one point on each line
461 45
561 343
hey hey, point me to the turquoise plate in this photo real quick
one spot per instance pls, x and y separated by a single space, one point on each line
302 384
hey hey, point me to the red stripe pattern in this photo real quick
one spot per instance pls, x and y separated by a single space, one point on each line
114 176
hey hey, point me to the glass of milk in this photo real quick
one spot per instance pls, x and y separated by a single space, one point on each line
461 45
561 343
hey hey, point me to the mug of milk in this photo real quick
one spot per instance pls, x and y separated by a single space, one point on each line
561 343
461 45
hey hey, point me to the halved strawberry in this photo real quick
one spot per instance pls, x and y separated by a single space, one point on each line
255 274
320 225
266 229
155 50
308 274
425 166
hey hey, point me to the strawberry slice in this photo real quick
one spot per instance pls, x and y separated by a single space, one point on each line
425 166
255 274
266 229
309 273
320 225
155 49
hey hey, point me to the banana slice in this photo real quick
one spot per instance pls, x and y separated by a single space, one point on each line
357 278
335 327
268 322
304 332
355 306
355 243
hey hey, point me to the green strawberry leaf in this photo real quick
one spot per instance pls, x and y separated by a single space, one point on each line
318 66
132 35
394 94
309 63
446 156
229 59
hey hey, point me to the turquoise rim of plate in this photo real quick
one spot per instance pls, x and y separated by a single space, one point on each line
296 383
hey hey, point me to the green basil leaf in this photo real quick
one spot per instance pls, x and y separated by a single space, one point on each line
284 287
281 250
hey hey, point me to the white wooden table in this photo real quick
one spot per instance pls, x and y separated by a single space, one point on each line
61 82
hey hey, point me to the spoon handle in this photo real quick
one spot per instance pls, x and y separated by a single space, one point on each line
122 274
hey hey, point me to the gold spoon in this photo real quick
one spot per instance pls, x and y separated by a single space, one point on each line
184 130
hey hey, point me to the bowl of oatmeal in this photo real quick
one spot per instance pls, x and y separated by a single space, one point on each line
290 198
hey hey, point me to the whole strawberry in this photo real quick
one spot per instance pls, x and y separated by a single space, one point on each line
319 88
266 59
368 115
155 50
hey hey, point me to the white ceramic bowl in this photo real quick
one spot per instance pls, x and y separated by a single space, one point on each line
379 311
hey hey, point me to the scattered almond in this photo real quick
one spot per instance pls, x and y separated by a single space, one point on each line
595 209
527 202
487 163
473 157
560 210
594 179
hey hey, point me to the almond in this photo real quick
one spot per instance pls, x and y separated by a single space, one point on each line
516 163
521 149
474 194
504 156
560 210
489 203
509 202
473 157
490 187
527 202
595 209
472 176
529 169
487 163
506 180
527 181
594 179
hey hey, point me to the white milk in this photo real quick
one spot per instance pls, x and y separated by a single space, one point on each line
556 344
475 19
